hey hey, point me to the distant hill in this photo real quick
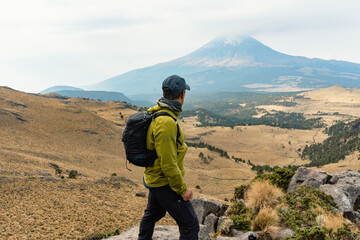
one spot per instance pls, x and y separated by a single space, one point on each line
335 94
60 88
238 64
95 95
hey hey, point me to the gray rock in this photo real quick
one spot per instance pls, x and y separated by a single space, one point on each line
246 235
344 187
339 196
44 174
287 232
53 165
307 176
140 194
211 222
226 226
161 232
204 207
204 233
220 221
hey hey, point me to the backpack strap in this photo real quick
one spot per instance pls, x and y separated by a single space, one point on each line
158 114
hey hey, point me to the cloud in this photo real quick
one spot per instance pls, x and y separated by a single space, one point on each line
65 40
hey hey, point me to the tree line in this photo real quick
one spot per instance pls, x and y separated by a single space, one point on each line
343 140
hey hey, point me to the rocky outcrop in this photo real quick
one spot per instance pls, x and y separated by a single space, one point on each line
307 176
344 187
203 207
210 214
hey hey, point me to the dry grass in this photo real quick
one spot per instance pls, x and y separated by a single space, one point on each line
336 221
267 220
262 194
35 208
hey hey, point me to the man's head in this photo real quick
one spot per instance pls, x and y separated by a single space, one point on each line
174 88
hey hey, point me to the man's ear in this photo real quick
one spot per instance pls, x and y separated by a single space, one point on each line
183 94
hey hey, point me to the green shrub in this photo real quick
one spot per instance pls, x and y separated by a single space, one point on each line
304 205
240 191
237 208
58 171
114 175
345 233
73 174
197 187
322 233
308 233
280 177
241 222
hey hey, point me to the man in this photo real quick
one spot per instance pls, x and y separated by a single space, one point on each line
165 178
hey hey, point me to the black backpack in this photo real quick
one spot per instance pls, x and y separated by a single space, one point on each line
134 138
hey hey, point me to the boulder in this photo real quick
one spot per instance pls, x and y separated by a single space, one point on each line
203 207
287 232
220 221
226 227
211 222
204 233
307 176
344 187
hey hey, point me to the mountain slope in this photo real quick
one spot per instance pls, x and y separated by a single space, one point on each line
238 64
95 95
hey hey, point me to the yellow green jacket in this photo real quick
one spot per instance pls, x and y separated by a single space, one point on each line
168 168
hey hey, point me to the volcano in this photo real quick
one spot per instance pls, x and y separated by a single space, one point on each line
239 63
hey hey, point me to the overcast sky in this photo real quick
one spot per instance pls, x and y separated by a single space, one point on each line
78 42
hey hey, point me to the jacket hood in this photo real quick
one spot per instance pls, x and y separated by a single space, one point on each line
163 103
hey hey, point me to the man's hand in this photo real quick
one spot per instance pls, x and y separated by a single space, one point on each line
188 195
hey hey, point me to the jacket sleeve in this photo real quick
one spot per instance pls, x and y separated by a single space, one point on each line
165 144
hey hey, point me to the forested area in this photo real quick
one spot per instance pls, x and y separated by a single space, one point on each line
343 140
278 119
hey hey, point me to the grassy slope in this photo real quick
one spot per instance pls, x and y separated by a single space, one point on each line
86 136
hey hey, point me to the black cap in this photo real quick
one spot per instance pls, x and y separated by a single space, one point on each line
176 84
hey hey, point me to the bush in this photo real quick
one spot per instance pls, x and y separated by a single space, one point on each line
281 177
241 222
262 194
58 171
73 174
308 233
304 205
239 192
237 208
323 233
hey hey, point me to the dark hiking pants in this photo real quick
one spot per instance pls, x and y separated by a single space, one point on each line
162 200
